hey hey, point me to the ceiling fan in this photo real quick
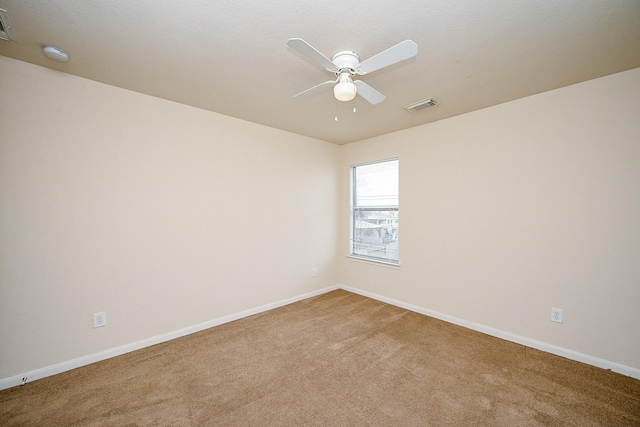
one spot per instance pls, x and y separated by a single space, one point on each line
346 64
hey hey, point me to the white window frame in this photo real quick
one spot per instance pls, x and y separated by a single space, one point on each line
355 251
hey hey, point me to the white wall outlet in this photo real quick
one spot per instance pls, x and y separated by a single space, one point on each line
99 319
314 272
556 315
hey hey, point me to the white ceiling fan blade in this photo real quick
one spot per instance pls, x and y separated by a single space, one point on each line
368 93
310 52
404 50
314 89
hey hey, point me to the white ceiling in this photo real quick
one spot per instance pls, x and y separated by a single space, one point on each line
231 57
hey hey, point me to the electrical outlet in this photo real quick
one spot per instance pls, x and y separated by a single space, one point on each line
556 315
314 272
99 319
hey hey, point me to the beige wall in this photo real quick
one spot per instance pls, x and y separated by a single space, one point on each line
160 214
166 216
511 210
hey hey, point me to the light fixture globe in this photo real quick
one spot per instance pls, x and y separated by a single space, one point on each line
345 89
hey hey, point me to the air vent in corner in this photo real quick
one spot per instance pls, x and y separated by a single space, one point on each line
6 32
421 105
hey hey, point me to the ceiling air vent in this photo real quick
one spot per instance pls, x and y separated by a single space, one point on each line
6 32
421 105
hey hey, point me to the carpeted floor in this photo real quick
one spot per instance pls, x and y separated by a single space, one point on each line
338 359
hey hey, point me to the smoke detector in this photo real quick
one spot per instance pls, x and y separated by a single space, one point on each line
6 32
421 105
55 53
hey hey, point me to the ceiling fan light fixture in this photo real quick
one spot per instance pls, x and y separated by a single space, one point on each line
345 90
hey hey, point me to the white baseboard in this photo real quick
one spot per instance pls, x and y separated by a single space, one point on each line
559 351
127 348
103 355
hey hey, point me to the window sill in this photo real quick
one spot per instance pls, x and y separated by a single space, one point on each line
374 262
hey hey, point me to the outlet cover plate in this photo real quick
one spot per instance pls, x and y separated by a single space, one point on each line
556 315
99 319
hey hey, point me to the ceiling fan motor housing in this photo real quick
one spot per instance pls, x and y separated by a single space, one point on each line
346 60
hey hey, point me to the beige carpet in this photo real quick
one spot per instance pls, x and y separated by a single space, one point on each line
338 359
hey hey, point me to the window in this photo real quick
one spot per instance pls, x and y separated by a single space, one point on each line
374 211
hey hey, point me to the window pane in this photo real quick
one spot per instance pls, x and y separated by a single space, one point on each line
375 234
376 184
374 208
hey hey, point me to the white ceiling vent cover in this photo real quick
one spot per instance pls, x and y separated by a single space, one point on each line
421 105
6 32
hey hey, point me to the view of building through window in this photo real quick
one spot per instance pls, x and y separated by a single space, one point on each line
374 211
